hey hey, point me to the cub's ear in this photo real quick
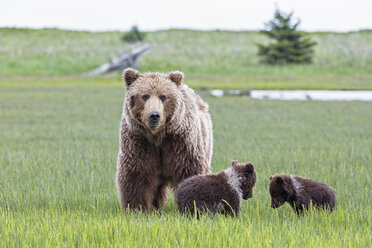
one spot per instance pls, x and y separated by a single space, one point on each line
279 180
176 77
130 75
234 163
271 178
249 168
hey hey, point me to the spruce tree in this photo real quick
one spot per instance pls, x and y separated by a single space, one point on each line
291 46
134 35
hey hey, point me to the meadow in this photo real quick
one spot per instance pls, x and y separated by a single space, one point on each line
59 139
58 148
210 59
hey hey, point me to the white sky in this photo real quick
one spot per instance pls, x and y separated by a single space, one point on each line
95 15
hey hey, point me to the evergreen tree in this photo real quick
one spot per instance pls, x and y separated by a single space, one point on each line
133 35
291 46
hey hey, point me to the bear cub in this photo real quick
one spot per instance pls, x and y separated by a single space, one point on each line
217 193
299 192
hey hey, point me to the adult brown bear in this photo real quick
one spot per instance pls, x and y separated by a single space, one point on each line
165 137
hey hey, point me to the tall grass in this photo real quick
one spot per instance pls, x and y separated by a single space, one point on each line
58 150
198 53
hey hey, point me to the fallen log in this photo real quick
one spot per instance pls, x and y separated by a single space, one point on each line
124 61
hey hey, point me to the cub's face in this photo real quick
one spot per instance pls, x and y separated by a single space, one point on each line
152 98
248 178
277 191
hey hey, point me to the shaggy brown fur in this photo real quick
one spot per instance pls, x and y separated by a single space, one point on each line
165 137
299 192
220 192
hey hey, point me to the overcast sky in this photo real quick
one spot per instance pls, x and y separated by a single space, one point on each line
95 15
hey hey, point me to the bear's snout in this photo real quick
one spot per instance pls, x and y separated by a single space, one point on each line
153 119
247 196
276 204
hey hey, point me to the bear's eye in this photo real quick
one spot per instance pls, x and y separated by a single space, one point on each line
162 98
145 97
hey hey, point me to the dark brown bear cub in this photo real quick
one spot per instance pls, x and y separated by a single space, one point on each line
217 193
299 192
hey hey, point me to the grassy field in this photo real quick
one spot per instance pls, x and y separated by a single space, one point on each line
210 59
58 148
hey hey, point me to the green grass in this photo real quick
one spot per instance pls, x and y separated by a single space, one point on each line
333 83
212 59
58 148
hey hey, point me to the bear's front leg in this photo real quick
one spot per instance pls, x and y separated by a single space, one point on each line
161 195
231 208
135 177
135 191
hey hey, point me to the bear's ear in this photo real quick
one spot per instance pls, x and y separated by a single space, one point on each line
176 77
249 168
130 75
234 163
279 180
271 178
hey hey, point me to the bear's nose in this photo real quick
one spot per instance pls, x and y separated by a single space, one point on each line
154 116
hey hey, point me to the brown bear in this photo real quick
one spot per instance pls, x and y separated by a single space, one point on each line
299 192
215 193
165 137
